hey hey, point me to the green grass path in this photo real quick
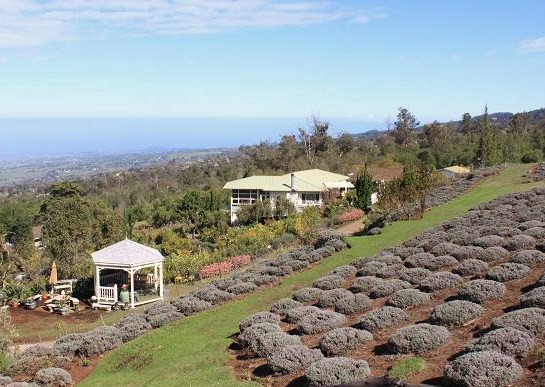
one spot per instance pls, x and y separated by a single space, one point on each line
192 351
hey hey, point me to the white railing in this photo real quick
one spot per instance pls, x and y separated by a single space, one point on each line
107 294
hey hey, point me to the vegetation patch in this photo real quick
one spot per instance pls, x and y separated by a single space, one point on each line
405 368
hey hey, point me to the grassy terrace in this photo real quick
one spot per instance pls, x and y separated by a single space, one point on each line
192 351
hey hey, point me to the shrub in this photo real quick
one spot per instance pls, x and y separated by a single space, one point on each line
5 380
415 275
370 268
329 298
351 215
440 280
159 308
520 242
260 280
352 304
418 338
444 248
190 305
321 321
307 294
242 287
345 271
329 282
488 241
225 283
495 253
365 284
375 231
212 294
259 318
467 252
68 345
509 341
337 341
483 369
311 257
281 306
482 290
530 224
384 317
336 370
507 272
408 297
535 297
162 319
388 287
536 232
387 258
267 344
327 235
325 251
337 244
37 351
225 267
253 332
293 358
541 280
455 313
471 267
132 326
29 365
295 314
529 320
418 260
391 271
528 257
100 340
404 251
54 377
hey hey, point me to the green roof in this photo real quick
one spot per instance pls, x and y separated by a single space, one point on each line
312 180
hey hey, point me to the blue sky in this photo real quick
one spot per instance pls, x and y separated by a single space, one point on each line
261 66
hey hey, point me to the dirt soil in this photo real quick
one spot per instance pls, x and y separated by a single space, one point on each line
351 228
37 319
376 353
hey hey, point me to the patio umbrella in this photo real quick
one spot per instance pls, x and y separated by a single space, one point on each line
53 276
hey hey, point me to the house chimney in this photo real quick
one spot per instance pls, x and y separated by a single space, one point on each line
292 186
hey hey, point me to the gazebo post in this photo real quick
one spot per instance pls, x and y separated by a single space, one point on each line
97 281
161 288
155 275
132 287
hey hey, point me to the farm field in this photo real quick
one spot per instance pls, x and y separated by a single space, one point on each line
193 350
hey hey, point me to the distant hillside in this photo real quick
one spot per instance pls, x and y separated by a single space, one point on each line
501 119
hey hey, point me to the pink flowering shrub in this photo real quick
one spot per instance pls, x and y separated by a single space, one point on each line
351 215
225 267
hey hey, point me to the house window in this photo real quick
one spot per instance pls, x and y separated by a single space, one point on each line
243 196
310 198
265 196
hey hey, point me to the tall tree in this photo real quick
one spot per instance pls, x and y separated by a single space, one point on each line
404 128
365 187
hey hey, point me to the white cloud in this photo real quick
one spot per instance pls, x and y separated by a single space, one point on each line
532 45
36 22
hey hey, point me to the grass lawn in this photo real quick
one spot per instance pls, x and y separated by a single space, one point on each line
192 351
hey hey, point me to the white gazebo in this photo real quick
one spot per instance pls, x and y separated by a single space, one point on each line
128 262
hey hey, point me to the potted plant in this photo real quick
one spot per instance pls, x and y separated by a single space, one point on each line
62 306
29 303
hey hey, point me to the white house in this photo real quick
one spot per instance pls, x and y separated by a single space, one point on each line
302 188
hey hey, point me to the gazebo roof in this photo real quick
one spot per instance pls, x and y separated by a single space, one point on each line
126 253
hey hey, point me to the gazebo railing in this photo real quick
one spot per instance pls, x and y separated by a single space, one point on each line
107 294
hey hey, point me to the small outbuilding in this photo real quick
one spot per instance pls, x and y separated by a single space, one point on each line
454 172
131 267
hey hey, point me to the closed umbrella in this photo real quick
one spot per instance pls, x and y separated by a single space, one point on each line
53 276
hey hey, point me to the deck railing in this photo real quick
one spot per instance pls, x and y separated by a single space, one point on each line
107 294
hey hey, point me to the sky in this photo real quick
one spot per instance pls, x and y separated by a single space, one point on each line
127 74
